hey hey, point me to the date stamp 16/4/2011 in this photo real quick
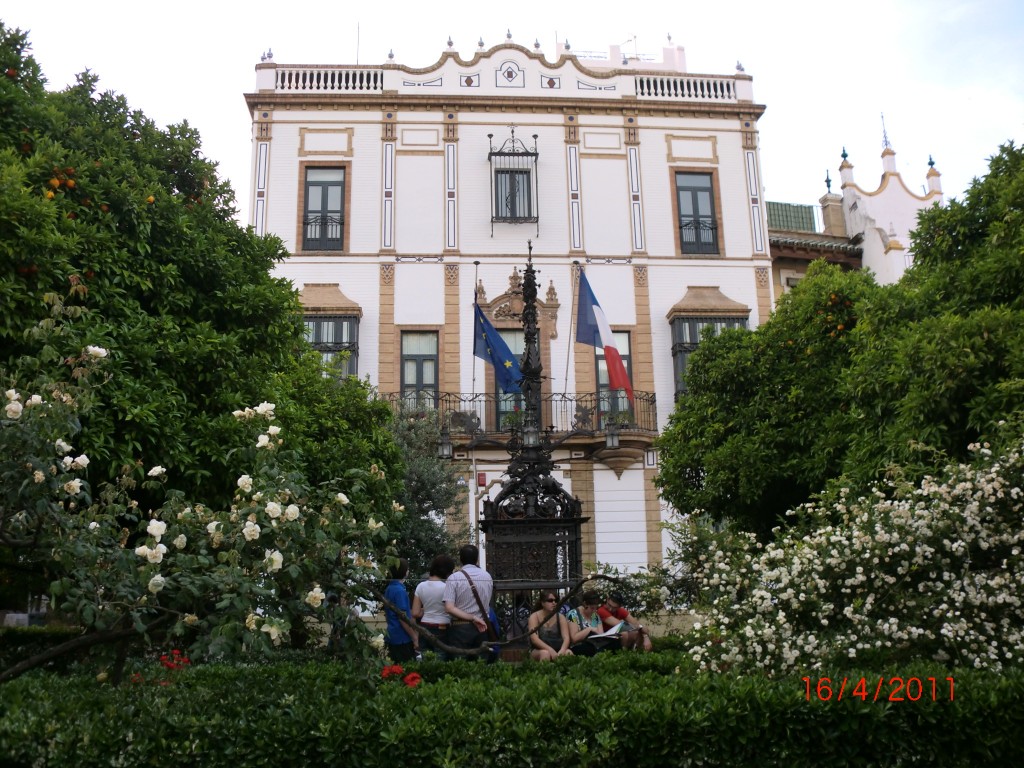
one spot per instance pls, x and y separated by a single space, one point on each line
884 689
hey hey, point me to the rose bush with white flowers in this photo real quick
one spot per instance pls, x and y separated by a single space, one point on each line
252 575
930 572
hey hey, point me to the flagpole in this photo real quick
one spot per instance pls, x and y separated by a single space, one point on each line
476 272
573 282
474 501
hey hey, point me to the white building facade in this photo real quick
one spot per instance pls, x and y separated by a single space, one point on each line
881 220
404 194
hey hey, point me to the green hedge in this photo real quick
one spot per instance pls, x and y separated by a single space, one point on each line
640 710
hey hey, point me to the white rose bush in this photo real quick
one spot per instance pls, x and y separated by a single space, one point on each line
927 572
218 582
39 485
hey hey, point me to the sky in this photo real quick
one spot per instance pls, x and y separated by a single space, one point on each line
948 75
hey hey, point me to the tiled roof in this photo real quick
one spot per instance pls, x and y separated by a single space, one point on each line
791 217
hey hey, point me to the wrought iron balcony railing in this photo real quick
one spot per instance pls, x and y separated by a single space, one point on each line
494 415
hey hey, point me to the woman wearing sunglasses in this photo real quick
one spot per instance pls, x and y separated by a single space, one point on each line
552 637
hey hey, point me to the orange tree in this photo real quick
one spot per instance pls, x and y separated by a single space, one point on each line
764 422
848 382
119 234
116 234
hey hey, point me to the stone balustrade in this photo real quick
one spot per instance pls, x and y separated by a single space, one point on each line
305 79
686 88
649 86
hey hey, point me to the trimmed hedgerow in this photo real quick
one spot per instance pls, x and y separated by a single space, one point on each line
648 711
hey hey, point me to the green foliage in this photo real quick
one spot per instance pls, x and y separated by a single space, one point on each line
939 359
216 580
907 573
336 421
117 236
114 232
638 710
762 425
432 523
849 382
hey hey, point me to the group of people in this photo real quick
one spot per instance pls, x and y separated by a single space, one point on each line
450 605
453 607
591 627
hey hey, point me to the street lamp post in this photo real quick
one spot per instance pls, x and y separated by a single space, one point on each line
533 525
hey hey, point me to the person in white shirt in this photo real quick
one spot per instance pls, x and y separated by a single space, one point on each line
468 627
428 602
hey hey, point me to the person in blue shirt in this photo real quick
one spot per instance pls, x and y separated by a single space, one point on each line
402 639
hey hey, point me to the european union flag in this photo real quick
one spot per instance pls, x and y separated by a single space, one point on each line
488 345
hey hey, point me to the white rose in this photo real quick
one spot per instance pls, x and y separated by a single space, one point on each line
291 512
12 394
34 400
156 528
250 621
38 476
273 509
73 486
93 525
274 560
315 597
245 483
142 551
96 352
156 554
13 410
191 619
66 462
61 447
263 441
250 531
180 541
156 583
373 525
342 498
81 462
211 528
273 430
156 471
266 409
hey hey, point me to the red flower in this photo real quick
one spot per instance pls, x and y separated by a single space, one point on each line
395 670
412 679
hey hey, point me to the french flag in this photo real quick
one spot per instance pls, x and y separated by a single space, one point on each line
592 328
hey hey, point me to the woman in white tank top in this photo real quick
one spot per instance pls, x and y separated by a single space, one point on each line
428 603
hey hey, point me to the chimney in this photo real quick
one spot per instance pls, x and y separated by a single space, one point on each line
832 215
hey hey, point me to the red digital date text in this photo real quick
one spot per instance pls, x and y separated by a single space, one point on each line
884 689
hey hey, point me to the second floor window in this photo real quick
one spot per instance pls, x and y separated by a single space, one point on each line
686 333
613 405
698 227
512 198
323 221
419 369
510 404
334 334
514 183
